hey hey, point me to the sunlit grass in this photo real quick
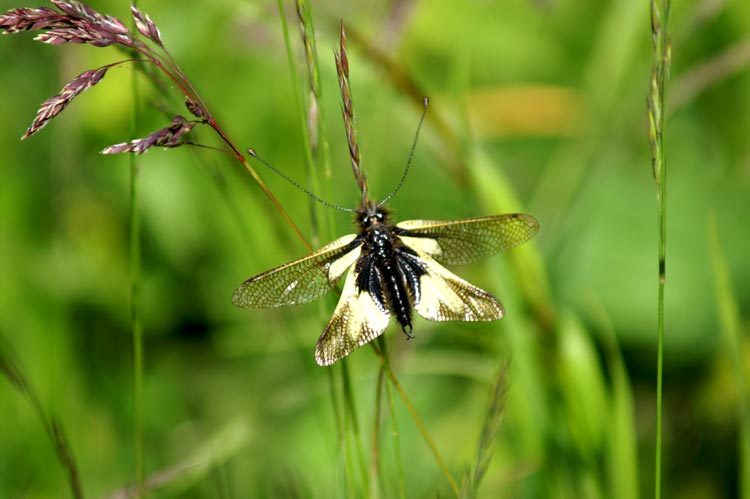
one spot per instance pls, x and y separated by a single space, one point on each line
233 404
736 346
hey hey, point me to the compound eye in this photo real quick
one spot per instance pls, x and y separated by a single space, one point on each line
379 216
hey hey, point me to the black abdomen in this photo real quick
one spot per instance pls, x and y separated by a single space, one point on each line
390 273
398 298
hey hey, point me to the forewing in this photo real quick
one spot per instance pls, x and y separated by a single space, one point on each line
356 321
469 240
446 297
302 280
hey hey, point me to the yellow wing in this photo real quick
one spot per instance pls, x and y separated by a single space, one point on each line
302 280
444 296
357 320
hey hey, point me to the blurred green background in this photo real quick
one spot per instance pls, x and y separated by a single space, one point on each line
536 106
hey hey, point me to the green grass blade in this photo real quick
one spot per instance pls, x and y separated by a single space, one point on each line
305 131
376 477
737 346
317 136
383 356
338 418
486 443
396 443
351 409
584 405
347 454
54 429
622 439
382 351
320 228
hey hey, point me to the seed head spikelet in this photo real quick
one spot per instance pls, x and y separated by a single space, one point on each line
347 110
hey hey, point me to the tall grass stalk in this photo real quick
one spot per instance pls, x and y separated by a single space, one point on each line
318 144
135 324
486 443
306 140
351 409
382 351
135 272
376 482
337 415
383 357
311 125
660 13
350 125
318 137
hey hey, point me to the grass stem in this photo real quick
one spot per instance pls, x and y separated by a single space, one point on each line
382 355
316 112
307 146
376 484
338 419
310 123
135 270
660 13
351 409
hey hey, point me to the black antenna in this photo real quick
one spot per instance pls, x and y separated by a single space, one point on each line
283 175
411 156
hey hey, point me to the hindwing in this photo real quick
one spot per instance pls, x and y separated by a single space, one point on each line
358 319
443 296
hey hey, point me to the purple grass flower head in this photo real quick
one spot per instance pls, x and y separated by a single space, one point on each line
73 22
146 26
168 137
57 103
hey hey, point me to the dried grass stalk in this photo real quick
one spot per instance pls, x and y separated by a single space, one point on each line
350 123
